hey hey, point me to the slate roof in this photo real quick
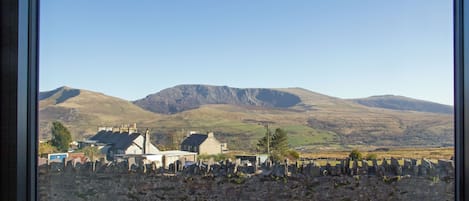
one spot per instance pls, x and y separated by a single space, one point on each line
118 140
194 139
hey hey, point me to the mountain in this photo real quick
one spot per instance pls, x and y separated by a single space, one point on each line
83 111
239 116
312 119
185 97
404 103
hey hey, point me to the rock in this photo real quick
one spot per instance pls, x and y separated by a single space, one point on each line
446 168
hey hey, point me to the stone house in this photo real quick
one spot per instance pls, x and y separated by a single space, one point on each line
203 144
121 143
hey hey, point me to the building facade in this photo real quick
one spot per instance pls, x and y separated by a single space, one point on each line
203 144
121 143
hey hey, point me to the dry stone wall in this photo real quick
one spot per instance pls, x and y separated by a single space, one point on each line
135 179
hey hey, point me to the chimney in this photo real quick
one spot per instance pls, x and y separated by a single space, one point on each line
135 128
210 134
190 133
146 142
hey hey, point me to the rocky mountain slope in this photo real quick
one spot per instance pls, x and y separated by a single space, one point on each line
185 97
404 103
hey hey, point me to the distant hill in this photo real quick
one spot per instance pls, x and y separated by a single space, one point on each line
82 111
403 103
237 116
185 97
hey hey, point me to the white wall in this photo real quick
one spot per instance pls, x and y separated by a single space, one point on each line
153 149
134 149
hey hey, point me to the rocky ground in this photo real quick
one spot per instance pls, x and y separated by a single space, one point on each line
134 186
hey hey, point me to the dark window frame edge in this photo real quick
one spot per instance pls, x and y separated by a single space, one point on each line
461 85
27 99
28 90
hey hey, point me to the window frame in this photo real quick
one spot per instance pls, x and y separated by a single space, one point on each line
461 98
19 84
20 96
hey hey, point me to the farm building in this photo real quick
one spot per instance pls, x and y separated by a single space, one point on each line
165 158
118 143
203 144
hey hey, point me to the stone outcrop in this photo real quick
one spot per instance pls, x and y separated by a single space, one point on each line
186 97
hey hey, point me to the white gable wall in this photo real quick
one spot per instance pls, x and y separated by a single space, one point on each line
134 149
153 149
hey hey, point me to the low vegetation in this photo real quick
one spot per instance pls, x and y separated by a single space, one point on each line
371 156
398 152
92 152
355 155
215 157
46 148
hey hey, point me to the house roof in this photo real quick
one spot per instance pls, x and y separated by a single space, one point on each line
194 139
118 140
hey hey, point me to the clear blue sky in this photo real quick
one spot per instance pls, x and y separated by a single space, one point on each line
342 48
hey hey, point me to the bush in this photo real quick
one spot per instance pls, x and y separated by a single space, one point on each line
293 155
371 156
46 148
220 157
215 157
355 155
204 157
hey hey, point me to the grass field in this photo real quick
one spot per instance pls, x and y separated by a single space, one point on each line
321 125
415 153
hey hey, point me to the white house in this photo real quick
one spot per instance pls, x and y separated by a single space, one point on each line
117 143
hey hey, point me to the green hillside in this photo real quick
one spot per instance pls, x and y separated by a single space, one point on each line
315 122
84 111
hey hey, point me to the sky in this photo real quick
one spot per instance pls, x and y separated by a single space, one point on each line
341 48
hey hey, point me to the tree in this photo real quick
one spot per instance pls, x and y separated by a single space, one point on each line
280 142
61 137
276 144
263 145
93 153
355 155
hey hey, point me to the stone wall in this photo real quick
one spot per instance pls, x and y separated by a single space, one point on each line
234 180
443 169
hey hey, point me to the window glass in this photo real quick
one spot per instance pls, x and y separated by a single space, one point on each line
333 100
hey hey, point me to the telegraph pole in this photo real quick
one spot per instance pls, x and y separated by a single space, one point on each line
266 125
268 138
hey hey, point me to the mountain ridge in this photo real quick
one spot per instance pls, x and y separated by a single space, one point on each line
397 102
184 97
313 120
82 110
